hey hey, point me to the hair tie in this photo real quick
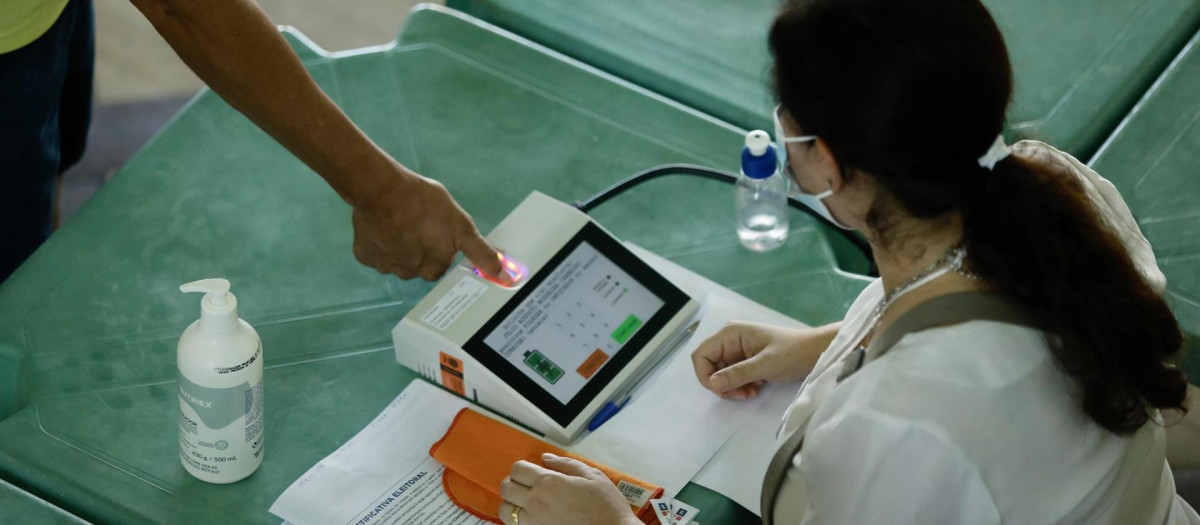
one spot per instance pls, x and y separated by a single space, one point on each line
996 153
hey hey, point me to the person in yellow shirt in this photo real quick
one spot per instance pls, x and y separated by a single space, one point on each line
46 58
404 223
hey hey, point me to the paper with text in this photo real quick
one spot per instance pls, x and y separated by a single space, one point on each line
384 474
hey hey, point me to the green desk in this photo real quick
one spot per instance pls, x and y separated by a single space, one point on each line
88 325
1080 64
18 506
1154 159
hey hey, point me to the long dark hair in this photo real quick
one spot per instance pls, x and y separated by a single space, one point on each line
912 93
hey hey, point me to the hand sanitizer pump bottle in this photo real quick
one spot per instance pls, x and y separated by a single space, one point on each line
220 389
761 196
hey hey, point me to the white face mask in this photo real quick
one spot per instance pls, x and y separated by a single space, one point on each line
794 190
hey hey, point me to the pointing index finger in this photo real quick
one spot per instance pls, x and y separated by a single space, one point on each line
485 257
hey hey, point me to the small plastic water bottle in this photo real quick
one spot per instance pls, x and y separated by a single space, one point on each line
761 196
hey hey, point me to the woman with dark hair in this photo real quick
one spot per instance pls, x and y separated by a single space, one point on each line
1010 364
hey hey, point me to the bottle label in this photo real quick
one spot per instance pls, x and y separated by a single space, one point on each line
222 428
218 407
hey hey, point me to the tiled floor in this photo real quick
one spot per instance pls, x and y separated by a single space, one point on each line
118 131
140 83
133 63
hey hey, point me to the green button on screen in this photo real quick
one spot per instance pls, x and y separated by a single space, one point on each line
627 328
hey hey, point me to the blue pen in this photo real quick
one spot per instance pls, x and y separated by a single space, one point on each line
606 412
610 409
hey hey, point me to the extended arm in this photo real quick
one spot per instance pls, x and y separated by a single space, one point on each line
404 223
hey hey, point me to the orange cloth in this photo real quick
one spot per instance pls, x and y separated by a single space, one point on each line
479 453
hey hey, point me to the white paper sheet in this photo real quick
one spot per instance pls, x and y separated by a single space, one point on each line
737 469
384 474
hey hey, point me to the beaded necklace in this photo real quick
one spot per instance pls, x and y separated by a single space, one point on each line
951 261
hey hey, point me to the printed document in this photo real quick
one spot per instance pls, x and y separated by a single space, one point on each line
384 474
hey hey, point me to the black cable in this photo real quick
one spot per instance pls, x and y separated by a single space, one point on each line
599 198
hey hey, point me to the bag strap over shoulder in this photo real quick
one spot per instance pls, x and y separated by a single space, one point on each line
946 310
940 311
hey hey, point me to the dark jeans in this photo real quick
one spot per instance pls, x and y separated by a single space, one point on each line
45 108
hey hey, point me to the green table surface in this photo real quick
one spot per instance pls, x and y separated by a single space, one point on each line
88 326
1154 160
18 506
1079 64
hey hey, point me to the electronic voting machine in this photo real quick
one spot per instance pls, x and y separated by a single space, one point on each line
584 320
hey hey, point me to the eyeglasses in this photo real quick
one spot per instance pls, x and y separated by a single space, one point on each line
781 142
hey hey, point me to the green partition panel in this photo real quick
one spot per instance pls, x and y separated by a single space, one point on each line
1154 160
1079 64
18 506
90 322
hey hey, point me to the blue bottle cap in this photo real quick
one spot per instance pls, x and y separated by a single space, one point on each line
758 157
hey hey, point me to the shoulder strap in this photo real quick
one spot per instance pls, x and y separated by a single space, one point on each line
940 311
946 310
776 470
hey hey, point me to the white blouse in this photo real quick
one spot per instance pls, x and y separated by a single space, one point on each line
973 423
970 423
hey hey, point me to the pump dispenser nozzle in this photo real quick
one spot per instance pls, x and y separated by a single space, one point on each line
218 309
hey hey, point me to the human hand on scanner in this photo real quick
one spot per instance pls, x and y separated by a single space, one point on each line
409 225
738 360
564 490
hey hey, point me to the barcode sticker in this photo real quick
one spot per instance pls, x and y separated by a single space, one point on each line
635 495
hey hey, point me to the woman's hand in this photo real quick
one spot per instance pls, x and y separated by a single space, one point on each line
564 491
736 361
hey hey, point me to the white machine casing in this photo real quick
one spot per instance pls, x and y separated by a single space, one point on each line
532 234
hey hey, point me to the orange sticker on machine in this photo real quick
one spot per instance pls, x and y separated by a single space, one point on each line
592 364
452 373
